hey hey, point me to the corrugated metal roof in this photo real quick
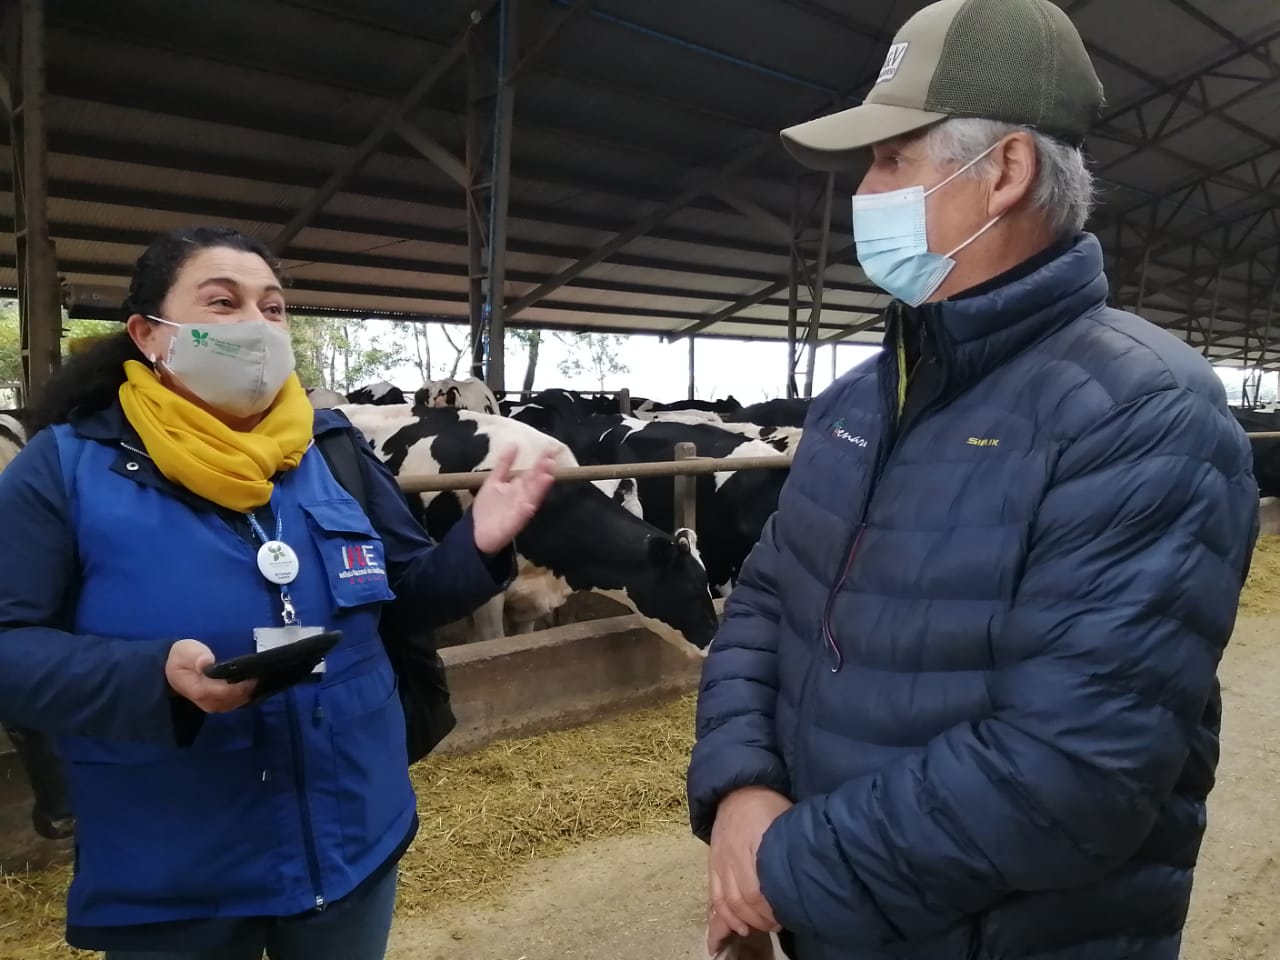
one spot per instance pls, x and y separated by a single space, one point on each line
163 113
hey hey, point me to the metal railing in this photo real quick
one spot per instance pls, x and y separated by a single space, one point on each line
690 466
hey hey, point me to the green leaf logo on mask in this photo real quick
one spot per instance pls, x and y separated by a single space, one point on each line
201 339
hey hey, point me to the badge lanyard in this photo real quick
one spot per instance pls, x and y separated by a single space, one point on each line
278 564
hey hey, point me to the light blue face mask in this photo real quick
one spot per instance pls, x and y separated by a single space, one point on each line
893 248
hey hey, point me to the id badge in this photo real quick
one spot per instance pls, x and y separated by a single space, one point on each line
268 638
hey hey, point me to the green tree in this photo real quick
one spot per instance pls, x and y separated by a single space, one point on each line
11 344
531 340
342 353
597 354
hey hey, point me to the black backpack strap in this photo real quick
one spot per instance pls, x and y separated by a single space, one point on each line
338 447
420 673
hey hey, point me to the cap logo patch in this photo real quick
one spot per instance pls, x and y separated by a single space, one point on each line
892 61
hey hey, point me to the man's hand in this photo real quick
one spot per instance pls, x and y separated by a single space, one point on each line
185 672
718 932
736 901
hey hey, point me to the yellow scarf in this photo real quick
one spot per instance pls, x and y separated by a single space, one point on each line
198 451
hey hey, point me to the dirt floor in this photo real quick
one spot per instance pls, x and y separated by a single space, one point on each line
573 845
640 897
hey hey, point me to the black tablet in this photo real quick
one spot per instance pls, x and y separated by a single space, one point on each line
306 652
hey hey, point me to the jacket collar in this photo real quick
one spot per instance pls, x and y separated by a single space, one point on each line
980 330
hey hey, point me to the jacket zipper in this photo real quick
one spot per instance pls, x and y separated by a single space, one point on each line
886 443
888 448
829 638
308 837
827 633
313 859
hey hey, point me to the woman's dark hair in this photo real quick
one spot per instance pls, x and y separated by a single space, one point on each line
91 380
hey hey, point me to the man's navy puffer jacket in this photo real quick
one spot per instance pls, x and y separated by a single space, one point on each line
980 653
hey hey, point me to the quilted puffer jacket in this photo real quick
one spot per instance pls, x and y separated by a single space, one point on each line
977 643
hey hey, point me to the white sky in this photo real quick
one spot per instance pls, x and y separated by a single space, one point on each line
751 372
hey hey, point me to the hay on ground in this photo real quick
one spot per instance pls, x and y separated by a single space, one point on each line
1261 596
483 816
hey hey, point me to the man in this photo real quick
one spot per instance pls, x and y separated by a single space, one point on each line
964 701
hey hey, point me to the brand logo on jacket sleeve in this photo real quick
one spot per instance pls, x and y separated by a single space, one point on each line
360 561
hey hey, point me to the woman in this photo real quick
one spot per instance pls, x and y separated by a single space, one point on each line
143 539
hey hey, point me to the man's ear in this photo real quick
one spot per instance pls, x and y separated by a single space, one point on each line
1018 163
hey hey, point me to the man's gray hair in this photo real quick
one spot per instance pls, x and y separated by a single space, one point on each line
1064 186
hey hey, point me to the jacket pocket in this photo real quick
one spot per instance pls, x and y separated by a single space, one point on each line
371 770
155 839
219 733
352 553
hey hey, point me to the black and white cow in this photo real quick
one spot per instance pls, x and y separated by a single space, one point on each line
51 811
469 394
322 398
679 416
732 506
782 439
624 492
1266 451
381 393
564 403
578 540
779 412
729 404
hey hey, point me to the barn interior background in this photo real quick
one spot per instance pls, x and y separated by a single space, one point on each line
594 190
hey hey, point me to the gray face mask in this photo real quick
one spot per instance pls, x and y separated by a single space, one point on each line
238 368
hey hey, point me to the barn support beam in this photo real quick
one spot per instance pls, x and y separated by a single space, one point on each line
701 185
803 269
767 221
693 383
500 192
697 187
493 63
1142 280
433 150
793 295
1266 336
39 301
477 220
815 312
389 120
853 328
1213 315
490 100
751 299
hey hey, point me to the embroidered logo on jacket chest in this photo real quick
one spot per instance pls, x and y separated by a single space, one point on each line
840 433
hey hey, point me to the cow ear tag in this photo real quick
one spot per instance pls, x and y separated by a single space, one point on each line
277 561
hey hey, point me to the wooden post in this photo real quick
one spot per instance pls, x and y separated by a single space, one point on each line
686 492
624 401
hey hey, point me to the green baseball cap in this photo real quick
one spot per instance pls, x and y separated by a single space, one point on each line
1020 61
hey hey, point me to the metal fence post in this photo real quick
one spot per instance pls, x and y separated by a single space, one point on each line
686 492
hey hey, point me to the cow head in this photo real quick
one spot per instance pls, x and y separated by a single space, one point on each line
674 588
